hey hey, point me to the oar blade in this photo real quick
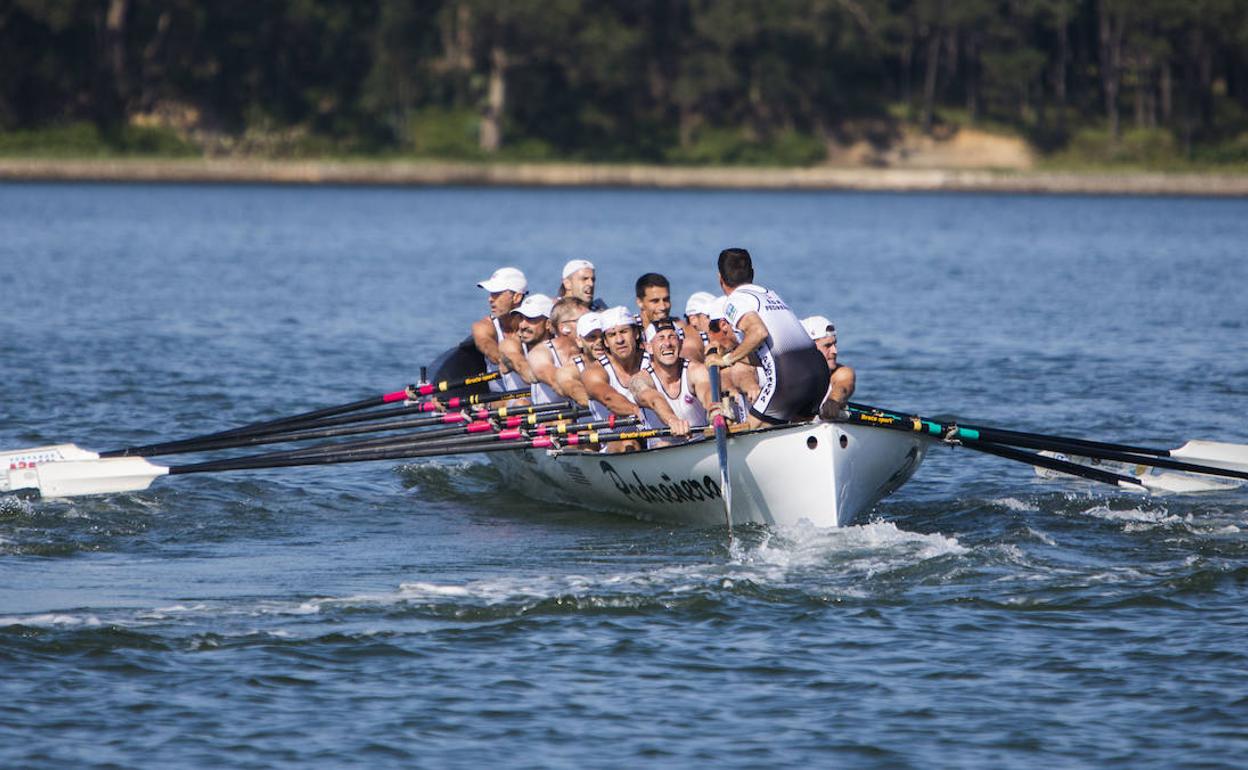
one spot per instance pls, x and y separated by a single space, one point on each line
44 454
73 478
1153 479
1214 453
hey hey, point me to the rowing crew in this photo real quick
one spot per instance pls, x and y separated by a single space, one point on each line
776 368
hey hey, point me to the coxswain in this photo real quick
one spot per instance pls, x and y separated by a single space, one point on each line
654 303
793 375
685 385
507 287
843 379
579 278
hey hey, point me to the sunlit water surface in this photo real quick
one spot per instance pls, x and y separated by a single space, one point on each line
426 615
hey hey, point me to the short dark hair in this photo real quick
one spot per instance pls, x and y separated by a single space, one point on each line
648 280
736 267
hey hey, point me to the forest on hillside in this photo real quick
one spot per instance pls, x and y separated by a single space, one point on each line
676 81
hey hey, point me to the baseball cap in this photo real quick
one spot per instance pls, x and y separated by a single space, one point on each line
588 323
535 306
505 279
617 316
697 302
576 264
818 326
716 308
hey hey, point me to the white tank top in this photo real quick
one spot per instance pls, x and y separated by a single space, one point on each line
597 409
541 392
685 404
509 381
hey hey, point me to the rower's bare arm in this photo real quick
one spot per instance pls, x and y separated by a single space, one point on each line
543 366
691 349
512 358
483 335
648 396
599 389
755 331
568 383
744 379
700 383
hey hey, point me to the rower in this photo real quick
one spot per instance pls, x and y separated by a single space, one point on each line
843 378
507 287
578 281
684 385
546 358
654 301
606 380
793 375
590 346
532 322
695 311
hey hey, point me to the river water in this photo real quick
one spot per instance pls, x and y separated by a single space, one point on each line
423 614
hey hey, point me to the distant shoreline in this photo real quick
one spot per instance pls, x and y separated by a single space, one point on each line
437 173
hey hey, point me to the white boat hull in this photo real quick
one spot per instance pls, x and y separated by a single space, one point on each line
827 474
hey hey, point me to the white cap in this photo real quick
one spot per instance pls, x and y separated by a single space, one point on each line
576 264
617 316
697 302
590 322
716 308
818 327
505 279
535 306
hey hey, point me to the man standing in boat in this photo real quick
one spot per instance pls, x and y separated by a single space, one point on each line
507 287
579 278
685 385
793 375
654 302
843 379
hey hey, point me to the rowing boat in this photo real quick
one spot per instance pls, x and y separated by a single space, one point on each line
828 474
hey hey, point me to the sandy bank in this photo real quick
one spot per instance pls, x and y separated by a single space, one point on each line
595 175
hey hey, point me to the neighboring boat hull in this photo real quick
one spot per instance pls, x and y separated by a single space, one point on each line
826 473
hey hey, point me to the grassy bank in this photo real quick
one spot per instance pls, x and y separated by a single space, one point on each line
616 175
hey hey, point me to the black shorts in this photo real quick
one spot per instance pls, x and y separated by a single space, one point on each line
793 386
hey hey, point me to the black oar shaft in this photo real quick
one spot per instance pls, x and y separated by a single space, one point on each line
408 452
969 434
216 441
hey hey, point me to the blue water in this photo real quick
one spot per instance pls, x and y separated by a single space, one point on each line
423 614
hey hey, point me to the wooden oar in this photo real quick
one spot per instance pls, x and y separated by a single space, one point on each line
721 443
975 436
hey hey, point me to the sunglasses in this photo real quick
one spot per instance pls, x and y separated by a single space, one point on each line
717 324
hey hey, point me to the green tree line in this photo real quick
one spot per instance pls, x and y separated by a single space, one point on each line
655 80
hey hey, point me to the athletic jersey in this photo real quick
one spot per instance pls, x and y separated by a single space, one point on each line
509 381
541 392
685 404
597 409
792 373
